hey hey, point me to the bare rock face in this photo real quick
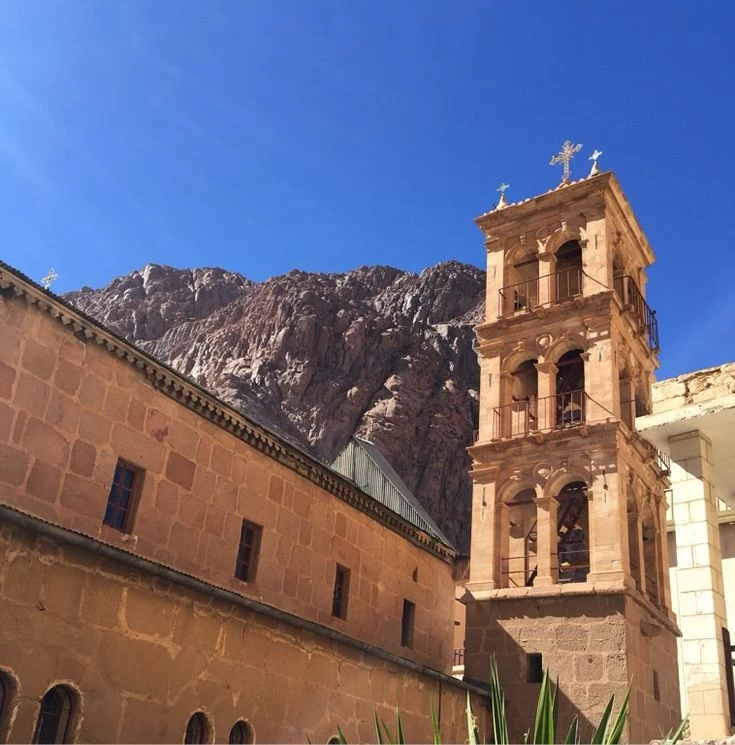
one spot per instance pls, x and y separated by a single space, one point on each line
377 352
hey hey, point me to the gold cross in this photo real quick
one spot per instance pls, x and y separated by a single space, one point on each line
568 151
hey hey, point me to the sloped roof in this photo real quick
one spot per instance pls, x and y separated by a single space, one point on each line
361 462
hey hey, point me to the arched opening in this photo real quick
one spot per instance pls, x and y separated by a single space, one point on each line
520 562
7 690
642 393
651 538
568 270
197 729
242 733
524 394
334 740
634 546
570 389
54 719
573 533
618 276
521 285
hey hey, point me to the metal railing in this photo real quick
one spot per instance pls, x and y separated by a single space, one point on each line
521 571
664 462
522 418
550 288
566 284
458 657
629 294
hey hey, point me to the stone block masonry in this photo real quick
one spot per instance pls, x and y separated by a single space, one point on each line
143 651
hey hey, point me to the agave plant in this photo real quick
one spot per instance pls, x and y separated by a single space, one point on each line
543 731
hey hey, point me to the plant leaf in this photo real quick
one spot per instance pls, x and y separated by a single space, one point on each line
341 736
435 724
497 707
387 733
400 739
598 738
674 736
616 731
378 735
471 729
572 737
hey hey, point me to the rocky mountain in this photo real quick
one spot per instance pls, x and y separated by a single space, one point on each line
379 352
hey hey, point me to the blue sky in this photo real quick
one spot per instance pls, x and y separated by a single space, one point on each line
263 136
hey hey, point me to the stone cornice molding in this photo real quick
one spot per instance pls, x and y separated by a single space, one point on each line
198 400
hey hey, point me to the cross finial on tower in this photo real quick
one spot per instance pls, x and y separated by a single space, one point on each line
502 189
49 279
563 157
594 158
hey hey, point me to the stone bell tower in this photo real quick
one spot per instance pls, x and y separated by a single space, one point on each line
569 565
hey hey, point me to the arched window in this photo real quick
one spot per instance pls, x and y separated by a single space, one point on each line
54 719
570 389
524 397
520 564
568 270
521 285
573 533
197 730
242 734
333 740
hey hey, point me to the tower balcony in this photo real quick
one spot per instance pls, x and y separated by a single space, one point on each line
536 415
569 283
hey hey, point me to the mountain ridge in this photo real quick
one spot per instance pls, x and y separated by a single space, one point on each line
317 357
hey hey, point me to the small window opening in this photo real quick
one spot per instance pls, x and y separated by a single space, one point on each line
656 689
241 734
534 667
6 692
415 574
197 730
341 592
125 487
334 740
407 620
247 554
54 717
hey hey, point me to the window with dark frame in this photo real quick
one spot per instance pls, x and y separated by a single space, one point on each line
197 729
409 614
247 554
53 719
341 592
534 667
121 500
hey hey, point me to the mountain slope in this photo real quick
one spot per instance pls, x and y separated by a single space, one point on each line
376 351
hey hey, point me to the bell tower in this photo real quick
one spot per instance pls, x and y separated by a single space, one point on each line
569 564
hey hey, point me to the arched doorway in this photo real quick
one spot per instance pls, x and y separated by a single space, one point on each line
519 565
568 270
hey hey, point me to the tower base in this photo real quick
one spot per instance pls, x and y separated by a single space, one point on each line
592 643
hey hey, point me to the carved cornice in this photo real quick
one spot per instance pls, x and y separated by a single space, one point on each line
198 400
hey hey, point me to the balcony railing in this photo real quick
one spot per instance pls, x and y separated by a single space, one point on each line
629 294
560 286
564 410
551 288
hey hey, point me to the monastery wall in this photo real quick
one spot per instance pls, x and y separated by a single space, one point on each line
69 409
143 653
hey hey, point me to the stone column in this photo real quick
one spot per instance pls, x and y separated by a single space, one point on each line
546 383
546 531
486 547
546 286
699 574
607 522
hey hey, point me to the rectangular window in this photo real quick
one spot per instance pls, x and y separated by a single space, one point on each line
409 613
341 591
121 500
247 554
534 668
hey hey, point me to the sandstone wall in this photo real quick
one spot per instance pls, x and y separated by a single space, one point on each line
696 387
143 653
586 642
69 408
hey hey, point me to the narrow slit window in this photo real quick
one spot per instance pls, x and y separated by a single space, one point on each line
534 668
341 592
247 555
55 715
121 500
409 614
